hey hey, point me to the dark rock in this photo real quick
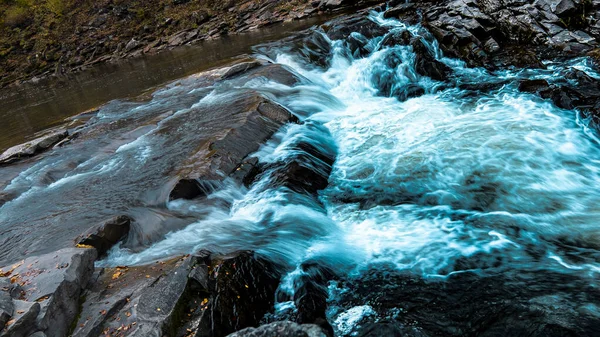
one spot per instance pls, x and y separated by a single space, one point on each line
53 282
23 321
6 305
106 235
33 147
395 38
473 304
112 299
194 188
242 287
426 64
308 170
533 86
281 329
397 11
254 120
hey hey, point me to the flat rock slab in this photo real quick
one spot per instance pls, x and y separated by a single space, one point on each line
53 284
33 147
133 300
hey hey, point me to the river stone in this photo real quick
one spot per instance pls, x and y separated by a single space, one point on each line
240 68
6 305
254 119
23 321
282 329
104 236
33 147
54 282
114 295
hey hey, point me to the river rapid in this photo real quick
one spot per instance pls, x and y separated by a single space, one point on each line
441 192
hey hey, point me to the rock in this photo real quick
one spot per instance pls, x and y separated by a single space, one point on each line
533 86
112 299
198 295
23 321
395 38
131 45
53 282
6 305
281 329
242 287
254 120
397 11
105 235
194 188
307 171
426 64
33 147
38 334
240 68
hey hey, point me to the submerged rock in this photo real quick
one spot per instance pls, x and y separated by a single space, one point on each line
33 147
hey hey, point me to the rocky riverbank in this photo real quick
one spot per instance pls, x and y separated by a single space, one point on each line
39 38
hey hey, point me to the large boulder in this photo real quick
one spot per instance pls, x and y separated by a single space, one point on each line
254 119
50 289
197 295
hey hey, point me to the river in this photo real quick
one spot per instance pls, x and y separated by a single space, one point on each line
447 182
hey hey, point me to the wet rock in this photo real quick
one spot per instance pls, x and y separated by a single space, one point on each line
23 321
198 295
242 287
399 10
282 329
136 301
470 304
426 64
254 120
51 285
341 28
310 295
194 188
33 147
393 39
533 86
309 169
240 68
106 235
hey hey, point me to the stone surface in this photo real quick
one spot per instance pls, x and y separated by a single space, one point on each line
6 305
51 286
254 119
23 321
198 295
107 234
33 147
281 329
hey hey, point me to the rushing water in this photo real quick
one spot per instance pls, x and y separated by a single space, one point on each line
497 182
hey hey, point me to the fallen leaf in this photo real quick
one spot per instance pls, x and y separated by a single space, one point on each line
20 311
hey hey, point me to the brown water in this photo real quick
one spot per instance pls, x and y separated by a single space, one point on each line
33 107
